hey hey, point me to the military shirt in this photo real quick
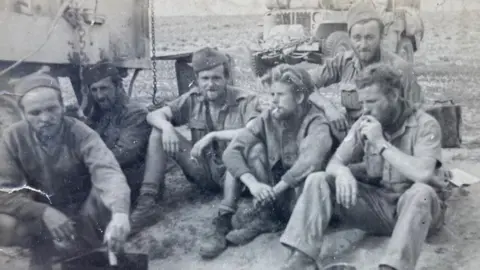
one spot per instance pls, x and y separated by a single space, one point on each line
190 109
419 136
65 173
126 132
343 69
298 148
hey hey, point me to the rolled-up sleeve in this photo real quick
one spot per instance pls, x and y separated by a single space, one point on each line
313 155
233 156
328 73
181 108
106 174
429 140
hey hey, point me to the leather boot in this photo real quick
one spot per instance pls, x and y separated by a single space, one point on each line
215 242
264 222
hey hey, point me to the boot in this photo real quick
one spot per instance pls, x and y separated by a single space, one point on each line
263 222
145 213
215 242
300 260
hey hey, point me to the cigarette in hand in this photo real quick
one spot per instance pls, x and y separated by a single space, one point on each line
112 258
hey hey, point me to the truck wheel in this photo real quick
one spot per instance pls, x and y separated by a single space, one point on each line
259 68
405 49
337 42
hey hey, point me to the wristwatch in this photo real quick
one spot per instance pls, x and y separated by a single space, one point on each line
384 147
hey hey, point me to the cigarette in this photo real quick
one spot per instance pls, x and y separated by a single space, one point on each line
112 258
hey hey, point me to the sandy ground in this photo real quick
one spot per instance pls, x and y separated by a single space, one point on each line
448 68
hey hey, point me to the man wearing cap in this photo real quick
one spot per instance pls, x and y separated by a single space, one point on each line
366 30
122 125
402 192
61 158
214 113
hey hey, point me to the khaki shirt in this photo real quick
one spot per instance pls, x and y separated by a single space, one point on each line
190 109
297 148
344 68
419 136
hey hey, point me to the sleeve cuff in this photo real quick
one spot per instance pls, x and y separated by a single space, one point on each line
239 172
121 208
289 179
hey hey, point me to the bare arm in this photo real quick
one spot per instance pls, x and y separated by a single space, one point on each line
160 119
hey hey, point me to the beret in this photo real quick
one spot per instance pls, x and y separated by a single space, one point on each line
99 71
33 81
361 12
207 58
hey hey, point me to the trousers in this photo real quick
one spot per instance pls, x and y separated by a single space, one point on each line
406 217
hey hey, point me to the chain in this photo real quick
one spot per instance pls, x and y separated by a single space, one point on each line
83 58
154 62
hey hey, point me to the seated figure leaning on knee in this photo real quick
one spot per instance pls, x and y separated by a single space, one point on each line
271 157
83 193
213 111
401 191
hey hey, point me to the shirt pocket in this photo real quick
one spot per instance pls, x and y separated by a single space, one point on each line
198 129
350 99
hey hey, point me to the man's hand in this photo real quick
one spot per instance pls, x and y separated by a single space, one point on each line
346 189
371 129
337 119
201 144
117 231
59 225
262 192
170 140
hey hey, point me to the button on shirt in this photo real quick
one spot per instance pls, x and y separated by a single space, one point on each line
419 136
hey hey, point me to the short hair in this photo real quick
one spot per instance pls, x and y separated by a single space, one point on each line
295 76
226 70
384 75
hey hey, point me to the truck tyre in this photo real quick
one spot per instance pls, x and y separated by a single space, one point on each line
337 42
259 68
405 49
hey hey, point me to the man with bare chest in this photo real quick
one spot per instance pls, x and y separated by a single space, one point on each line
213 111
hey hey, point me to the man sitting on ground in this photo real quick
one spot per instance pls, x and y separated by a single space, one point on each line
272 157
214 113
401 192
82 195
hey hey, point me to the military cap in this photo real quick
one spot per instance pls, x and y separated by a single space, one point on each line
361 12
99 71
34 81
207 58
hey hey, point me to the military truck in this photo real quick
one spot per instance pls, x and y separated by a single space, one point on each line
313 30
65 36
